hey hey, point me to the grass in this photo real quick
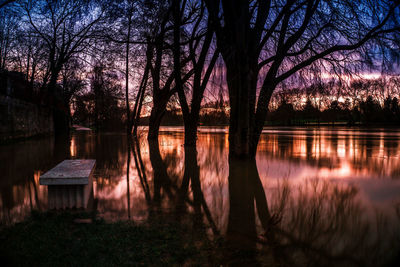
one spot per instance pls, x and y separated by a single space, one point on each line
51 239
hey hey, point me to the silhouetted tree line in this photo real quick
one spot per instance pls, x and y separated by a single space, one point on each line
366 102
369 112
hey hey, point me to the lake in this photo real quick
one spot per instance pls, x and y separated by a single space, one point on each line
333 193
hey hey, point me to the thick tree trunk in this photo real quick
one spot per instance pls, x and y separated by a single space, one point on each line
61 118
242 81
156 116
191 129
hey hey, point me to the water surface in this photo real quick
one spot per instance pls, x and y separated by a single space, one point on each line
331 192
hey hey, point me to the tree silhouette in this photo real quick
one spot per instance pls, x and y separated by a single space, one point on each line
264 43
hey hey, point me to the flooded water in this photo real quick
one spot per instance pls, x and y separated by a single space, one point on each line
333 193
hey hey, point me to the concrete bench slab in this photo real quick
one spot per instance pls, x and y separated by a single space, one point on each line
69 184
69 172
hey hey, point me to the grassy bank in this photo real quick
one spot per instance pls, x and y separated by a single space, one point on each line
74 240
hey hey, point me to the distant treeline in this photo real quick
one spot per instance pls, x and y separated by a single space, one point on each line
368 112
366 102
98 102
361 102
210 118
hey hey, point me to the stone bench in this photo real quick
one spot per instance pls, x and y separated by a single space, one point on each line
69 183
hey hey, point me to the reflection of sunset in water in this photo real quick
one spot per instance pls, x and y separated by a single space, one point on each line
291 154
72 148
295 157
334 154
319 187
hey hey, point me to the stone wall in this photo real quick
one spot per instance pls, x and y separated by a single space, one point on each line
21 119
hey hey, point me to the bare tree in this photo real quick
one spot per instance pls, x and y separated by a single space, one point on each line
164 85
124 22
202 59
66 28
265 42
8 33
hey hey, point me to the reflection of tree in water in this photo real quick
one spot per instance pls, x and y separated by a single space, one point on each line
285 143
163 185
391 146
140 168
309 144
328 225
110 152
245 191
364 152
317 224
20 168
370 158
112 159
212 155
174 195
198 204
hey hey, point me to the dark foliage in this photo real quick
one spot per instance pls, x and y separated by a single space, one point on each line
101 107
54 239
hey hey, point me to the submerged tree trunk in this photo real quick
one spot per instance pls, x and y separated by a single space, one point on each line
191 129
157 113
246 197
